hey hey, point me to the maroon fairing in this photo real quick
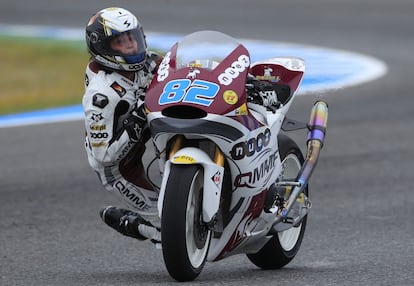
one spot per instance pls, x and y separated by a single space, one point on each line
219 105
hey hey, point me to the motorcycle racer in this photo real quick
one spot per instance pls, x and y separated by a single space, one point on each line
117 76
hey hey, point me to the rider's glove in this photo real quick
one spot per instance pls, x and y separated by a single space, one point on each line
262 92
134 123
269 97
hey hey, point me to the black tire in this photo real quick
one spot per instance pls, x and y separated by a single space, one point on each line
279 251
185 238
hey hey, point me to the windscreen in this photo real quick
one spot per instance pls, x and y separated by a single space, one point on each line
205 49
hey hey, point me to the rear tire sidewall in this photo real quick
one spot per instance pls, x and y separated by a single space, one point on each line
274 254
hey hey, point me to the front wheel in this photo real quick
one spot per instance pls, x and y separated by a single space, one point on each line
283 246
185 238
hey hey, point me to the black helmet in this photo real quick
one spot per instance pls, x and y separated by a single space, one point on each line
107 34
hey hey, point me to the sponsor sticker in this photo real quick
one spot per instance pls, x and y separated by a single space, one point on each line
118 89
242 110
232 72
184 159
96 117
98 127
230 97
216 178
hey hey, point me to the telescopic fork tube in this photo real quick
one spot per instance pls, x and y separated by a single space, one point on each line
315 139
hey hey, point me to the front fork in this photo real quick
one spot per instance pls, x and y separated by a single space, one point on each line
179 142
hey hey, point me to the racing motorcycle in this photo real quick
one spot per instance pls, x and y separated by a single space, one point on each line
232 181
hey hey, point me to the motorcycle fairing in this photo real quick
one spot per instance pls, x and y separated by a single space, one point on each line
249 225
162 125
221 109
280 70
197 87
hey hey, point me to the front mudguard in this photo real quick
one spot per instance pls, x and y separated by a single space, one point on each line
213 179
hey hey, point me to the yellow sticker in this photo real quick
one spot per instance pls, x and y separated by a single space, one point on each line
98 127
242 110
184 159
98 144
230 97
196 65
268 78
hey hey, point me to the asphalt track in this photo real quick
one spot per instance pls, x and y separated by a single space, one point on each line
360 230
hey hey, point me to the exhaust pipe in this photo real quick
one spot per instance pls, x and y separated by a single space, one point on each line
315 139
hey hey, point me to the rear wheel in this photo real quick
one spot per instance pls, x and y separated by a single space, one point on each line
283 246
185 237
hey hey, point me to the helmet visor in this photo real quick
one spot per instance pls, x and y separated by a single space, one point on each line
129 45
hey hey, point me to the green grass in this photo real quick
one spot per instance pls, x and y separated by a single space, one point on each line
39 73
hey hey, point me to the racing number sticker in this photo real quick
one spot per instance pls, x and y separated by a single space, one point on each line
198 92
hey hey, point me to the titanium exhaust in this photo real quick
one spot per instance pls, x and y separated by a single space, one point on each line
315 139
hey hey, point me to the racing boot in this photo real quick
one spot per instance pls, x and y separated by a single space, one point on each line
130 224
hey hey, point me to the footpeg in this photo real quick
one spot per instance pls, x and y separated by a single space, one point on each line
275 197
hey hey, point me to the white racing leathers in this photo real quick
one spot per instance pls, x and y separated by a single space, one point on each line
109 99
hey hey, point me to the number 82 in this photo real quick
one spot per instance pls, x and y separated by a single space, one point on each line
183 90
